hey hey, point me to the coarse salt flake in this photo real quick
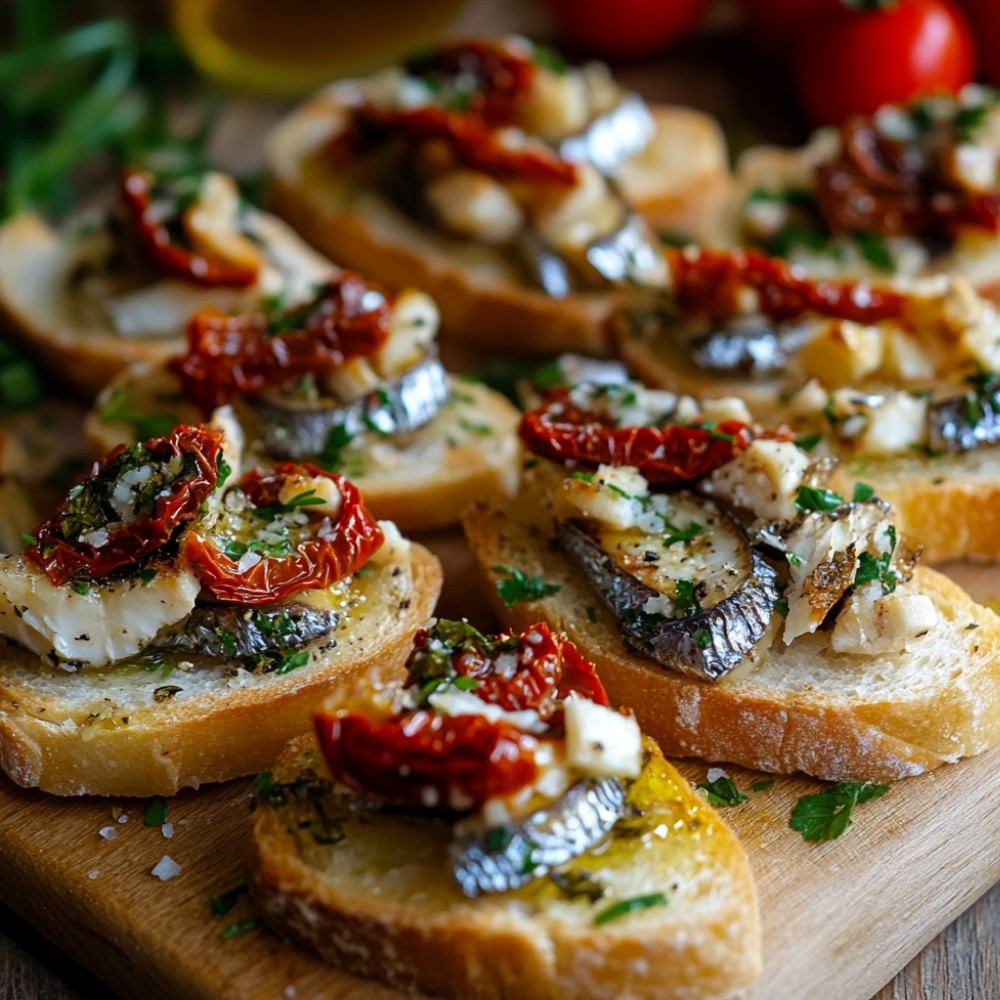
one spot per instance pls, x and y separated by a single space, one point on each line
167 830
166 868
93 873
714 773
108 832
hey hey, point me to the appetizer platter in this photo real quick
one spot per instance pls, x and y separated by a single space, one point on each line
259 542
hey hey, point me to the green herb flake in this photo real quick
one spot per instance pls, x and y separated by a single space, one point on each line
156 812
307 498
826 815
781 607
80 587
497 839
703 638
810 498
591 614
147 575
971 626
235 550
874 250
863 492
291 661
685 599
228 641
809 442
968 121
517 587
481 430
723 792
263 783
548 58
240 927
626 906
584 477
676 534
764 785
220 905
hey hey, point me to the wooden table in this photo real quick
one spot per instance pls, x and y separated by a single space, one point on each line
719 74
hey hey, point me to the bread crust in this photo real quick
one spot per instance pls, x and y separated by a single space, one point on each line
482 296
803 708
38 312
51 741
528 943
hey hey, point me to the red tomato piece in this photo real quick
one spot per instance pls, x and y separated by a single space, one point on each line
307 557
708 284
232 356
673 454
161 251
625 27
78 542
853 61
431 761
427 760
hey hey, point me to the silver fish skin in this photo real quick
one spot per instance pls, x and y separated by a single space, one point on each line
237 632
707 645
298 433
496 859
963 423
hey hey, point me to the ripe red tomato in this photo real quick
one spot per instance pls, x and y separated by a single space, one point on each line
772 24
850 61
985 18
625 27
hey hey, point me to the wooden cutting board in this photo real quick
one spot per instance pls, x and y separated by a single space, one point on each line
839 919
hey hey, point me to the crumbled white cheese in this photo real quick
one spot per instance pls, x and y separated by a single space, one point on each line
764 478
601 741
452 701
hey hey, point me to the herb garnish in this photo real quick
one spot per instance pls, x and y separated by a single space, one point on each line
872 247
863 492
156 812
685 600
240 927
811 498
809 442
677 534
723 792
518 587
870 568
826 815
307 498
225 901
625 906
20 382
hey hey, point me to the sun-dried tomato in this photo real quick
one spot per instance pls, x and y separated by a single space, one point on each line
161 250
91 536
708 283
560 430
313 555
878 185
230 356
427 760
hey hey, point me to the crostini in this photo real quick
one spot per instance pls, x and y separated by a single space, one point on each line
116 286
909 191
349 380
550 853
742 607
520 193
901 386
175 622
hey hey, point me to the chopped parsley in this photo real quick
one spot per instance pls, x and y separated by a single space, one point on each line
809 442
307 498
811 498
723 792
20 382
228 641
685 599
220 905
703 638
826 815
863 492
81 588
677 534
518 587
291 661
584 477
764 785
482 430
147 575
548 58
626 906
331 457
156 812
968 121
578 885
872 247
240 927
871 568
781 607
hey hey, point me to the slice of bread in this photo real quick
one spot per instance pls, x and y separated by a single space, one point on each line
422 480
380 902
481 290
80 345
153 729
803 707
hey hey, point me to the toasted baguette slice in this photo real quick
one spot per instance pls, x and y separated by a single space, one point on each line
421 480
125 730
803 707
77 343
481 291
380 903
